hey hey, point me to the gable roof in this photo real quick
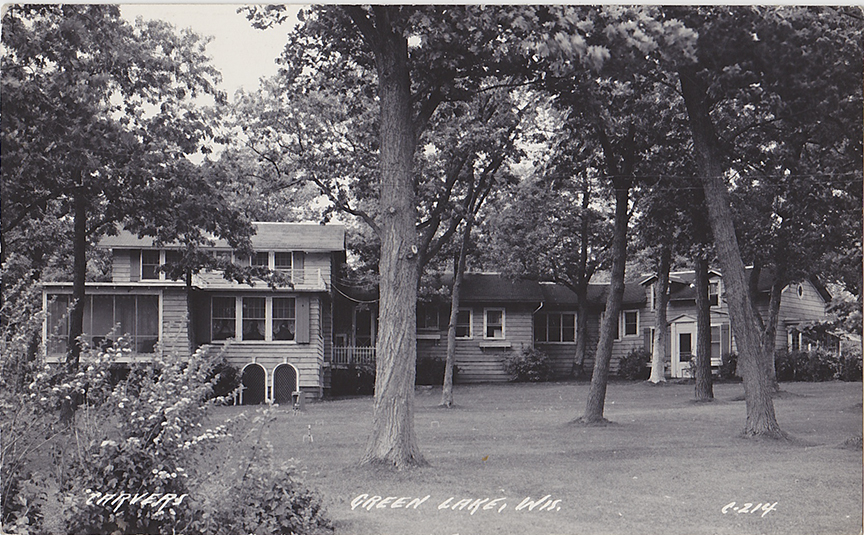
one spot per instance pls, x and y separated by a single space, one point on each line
269 236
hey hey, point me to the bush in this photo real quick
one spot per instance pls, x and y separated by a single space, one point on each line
355 380
850 366
729 367
269 502
530 365
784 366
634 366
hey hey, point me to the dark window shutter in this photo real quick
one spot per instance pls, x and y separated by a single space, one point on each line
135 265
302 311
725 339
646 333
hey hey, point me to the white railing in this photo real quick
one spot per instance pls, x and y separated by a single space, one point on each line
345 355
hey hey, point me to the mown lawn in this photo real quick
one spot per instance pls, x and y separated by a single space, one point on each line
666 466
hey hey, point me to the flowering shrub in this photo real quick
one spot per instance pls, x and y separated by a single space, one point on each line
130 460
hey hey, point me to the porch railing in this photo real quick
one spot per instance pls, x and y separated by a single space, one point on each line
343 356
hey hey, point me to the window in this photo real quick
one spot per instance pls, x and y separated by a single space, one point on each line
427 318
261 260
713 294
107 318
715 343
150 265
463 323
283 261
254 318
493 323
223 315
628 323
174 258
555 327
284 318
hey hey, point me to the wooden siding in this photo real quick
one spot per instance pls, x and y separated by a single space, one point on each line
480 359
795 310
625 344
316 262
174 337
121 265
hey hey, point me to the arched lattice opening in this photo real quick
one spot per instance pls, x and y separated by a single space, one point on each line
284 384
254 381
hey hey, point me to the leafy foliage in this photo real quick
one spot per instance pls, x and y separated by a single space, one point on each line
729 367
530 365
634 365
816 365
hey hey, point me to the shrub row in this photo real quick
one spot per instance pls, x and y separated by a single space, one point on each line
815 365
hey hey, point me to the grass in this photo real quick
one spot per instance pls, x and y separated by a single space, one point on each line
665 465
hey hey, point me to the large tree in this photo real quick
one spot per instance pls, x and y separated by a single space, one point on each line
97 121
747 69
453 51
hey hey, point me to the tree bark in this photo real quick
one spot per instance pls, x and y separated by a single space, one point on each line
621 180
704 386
79 277
661 330
581 332
393 441
761 420
600 375
459 272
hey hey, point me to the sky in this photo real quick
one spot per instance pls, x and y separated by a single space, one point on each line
241 53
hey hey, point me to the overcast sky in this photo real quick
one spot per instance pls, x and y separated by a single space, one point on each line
242 53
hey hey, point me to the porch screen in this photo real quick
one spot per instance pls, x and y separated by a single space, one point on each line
107 318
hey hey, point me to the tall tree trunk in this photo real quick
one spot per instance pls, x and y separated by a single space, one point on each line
459 272
393 441
704 386
761 419
661 330
769 329
79 276
600 376
581 331
621 181
583 276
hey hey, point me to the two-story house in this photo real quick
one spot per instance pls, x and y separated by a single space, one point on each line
278 337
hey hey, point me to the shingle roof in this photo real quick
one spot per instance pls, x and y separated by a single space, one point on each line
269 236
498 288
